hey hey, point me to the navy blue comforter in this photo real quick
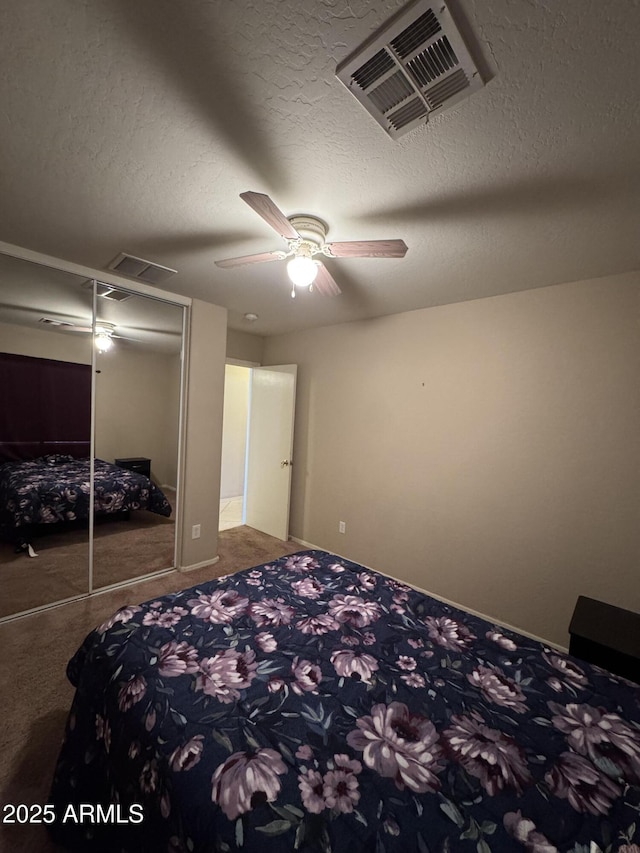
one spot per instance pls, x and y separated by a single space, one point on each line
312 704
57 488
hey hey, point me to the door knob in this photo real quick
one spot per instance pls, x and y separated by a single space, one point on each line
286 462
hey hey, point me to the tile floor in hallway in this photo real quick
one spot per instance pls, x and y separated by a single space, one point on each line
230 513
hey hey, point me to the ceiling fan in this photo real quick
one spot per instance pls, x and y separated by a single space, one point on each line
305 235
105 332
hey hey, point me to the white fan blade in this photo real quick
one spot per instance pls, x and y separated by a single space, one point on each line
271 214
251 259
367 249
325 283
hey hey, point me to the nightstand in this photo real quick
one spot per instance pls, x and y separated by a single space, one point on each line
607 636
139 464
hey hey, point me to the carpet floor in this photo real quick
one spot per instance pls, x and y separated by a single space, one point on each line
121 550
35 695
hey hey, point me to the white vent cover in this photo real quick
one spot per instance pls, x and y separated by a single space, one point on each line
414 66
140 269
108 291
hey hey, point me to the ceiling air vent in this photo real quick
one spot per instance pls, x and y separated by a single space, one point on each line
414 66
49 321
140 269
108 291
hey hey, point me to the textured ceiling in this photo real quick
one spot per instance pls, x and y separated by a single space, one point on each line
134 126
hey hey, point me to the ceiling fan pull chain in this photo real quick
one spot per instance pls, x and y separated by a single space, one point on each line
293 292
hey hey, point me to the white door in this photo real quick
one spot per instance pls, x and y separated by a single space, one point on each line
269 451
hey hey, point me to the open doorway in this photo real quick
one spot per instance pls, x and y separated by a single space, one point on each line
234 445
257 447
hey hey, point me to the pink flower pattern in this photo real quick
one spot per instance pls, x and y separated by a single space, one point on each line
580 782
224 675
451 635
243 775
491 756
354 610
188 755
308 587
357 665
220 607
599 735
400 745
306 676
498 688
272 612
132 692
177 658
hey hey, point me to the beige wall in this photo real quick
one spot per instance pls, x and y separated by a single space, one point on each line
137 407
234 430
487 451
42 343
244 347
203 433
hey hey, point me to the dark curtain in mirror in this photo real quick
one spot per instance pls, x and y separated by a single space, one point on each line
46 407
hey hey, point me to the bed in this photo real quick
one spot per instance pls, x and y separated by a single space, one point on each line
56 488
313 704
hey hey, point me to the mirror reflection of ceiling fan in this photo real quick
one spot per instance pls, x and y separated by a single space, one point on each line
305 236
105 332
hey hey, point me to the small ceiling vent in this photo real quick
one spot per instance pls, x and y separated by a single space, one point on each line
108 291
140 269
414 66
50 321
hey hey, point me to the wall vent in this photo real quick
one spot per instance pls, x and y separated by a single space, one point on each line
140 269
415 65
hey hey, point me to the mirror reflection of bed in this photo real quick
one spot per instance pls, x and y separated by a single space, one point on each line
137 405
58 572
140 544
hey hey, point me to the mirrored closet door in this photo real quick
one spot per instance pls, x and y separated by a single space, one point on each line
137 407
61 374
45 434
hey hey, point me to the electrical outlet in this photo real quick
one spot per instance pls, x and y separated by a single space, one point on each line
342 527
195 531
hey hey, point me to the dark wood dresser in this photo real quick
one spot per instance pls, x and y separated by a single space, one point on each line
607 636
139 464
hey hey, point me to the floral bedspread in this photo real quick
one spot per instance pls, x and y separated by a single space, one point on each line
312 704
56 488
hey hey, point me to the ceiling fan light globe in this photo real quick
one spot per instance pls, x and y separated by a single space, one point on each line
103 342
302 271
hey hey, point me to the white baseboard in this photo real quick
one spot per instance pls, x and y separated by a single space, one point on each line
200 565
443 599
309 545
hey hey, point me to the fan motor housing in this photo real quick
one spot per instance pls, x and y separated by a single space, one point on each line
310 228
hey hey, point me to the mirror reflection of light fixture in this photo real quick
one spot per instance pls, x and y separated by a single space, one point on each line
103 338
